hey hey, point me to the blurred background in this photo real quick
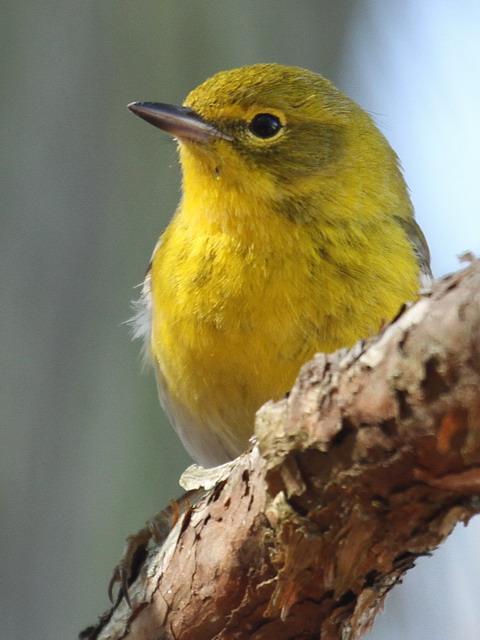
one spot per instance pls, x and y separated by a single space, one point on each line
86 456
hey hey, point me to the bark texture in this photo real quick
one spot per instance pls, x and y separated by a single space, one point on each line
369 463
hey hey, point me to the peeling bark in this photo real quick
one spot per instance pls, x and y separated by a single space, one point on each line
369 463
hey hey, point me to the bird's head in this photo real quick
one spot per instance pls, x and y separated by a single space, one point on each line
271 133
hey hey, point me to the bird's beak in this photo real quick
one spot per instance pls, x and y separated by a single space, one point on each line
181 122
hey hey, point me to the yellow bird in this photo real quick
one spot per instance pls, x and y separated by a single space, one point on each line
295 234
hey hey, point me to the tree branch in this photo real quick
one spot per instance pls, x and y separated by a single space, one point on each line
369 463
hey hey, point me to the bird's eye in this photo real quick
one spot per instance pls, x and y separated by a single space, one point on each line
265 125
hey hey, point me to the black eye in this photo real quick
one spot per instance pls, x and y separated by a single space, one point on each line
265 125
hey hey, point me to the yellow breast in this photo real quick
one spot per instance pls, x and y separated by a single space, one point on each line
237 310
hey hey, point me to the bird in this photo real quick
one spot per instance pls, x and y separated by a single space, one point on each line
295 234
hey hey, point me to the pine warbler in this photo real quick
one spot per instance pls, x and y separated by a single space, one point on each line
295 234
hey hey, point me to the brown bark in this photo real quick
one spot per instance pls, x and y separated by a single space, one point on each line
368 464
